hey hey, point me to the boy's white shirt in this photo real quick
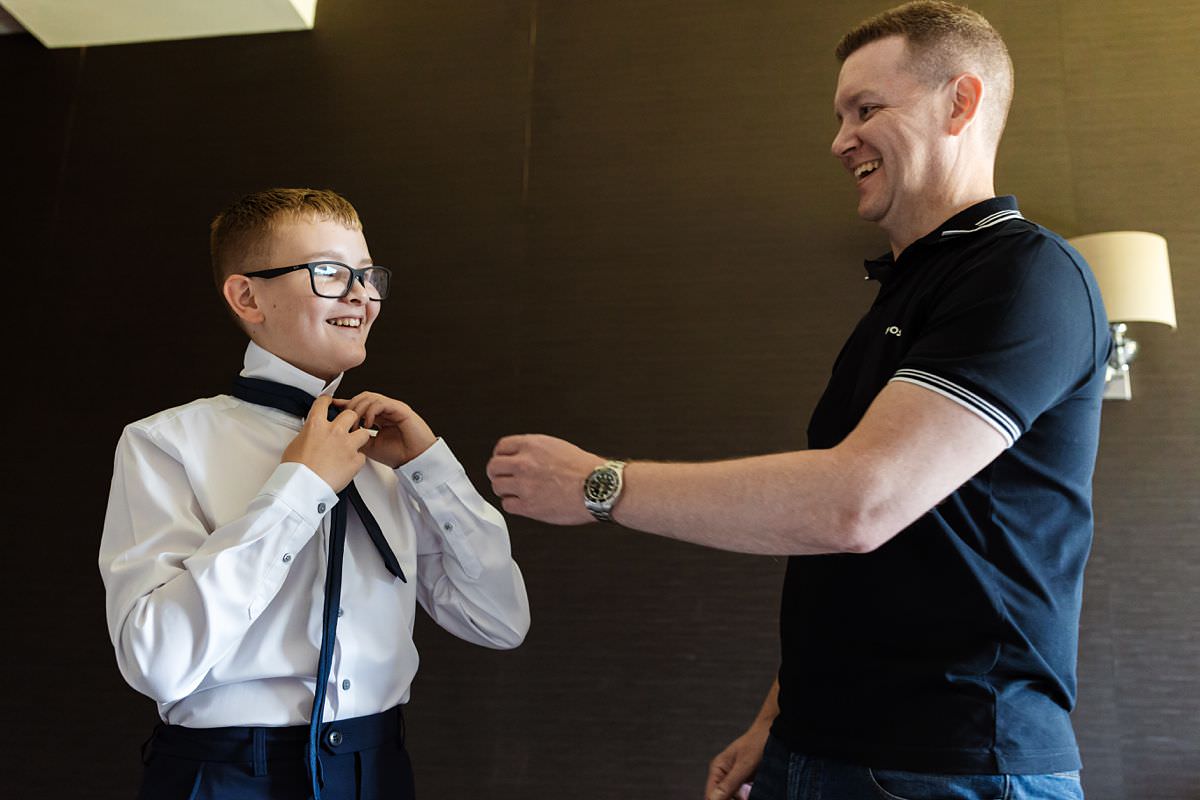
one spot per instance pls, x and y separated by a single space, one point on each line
213 558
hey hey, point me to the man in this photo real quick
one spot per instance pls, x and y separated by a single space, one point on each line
939 524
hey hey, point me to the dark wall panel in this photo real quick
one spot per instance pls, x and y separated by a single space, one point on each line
616 222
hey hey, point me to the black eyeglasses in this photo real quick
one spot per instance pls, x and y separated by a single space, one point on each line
333 279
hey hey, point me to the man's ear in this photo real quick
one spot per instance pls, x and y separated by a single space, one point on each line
966 96
239 293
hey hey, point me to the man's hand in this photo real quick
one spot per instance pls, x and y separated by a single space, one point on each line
542 477
735 765
330 448
402 436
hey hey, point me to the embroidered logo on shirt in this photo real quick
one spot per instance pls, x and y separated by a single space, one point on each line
892 331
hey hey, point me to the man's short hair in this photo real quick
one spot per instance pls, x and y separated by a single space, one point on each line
245 225
944 40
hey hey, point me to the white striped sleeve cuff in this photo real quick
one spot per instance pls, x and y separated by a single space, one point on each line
1003 423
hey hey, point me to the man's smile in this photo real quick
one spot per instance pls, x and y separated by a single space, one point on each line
866 168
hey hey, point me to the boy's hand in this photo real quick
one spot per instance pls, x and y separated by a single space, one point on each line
330 448
402 436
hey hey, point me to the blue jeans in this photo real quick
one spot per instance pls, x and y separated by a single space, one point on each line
784 775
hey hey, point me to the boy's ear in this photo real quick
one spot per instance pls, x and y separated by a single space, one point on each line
239 293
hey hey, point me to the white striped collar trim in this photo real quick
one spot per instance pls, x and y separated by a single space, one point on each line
988 221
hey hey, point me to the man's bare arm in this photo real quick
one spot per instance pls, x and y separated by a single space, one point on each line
911 449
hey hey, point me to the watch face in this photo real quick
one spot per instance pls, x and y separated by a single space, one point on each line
601 485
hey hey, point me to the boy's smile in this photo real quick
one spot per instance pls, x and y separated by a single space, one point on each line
322 336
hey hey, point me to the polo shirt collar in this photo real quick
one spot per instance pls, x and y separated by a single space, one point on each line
261 363
979 217
880 269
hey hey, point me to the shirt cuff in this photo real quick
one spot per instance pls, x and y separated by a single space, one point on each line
301 490
432 477
435 467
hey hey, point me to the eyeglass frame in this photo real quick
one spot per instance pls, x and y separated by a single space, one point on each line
355 275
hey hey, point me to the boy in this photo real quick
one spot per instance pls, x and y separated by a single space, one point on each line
232 521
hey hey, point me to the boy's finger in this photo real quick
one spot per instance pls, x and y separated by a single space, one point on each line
388 410
356 400
353 402
319 411
346 419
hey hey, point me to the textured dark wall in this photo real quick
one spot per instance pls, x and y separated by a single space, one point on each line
617 222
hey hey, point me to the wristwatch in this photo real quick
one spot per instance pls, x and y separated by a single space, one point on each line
601 489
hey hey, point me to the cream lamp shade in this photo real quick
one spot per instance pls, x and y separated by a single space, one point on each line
1134 275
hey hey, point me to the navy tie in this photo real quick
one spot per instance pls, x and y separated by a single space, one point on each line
297 402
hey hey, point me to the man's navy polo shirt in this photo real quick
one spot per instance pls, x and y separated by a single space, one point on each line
952 647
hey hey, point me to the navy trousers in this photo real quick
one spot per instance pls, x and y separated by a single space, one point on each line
361 759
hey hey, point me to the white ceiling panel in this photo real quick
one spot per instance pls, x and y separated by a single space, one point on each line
85 23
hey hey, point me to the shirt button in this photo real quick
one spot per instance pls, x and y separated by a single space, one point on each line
341 611
320 508
346 685
449 526
287 557
417 477
335 738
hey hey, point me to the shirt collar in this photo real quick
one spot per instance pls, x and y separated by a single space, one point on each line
981 216
880 269
260 363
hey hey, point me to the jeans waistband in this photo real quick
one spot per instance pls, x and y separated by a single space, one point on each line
258 744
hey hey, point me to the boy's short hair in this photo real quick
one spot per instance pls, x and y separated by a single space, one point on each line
943 40
243 226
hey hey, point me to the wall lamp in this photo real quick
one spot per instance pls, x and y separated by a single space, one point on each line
1135 283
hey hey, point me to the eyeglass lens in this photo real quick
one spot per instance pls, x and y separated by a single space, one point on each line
333 280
